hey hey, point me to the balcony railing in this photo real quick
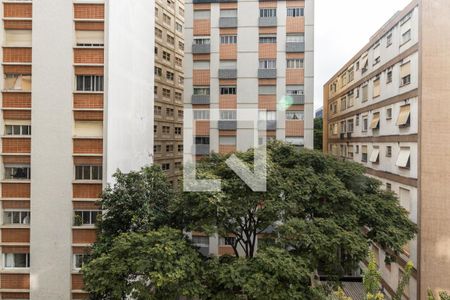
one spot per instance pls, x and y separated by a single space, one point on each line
227 125
228 22
294 47
227 73
201 48
200 99
268 22
267 73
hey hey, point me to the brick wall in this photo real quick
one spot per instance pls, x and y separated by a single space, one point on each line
16 159
77 282
268 102
294 128
97 26
89 11
224 149
84 236
17 114
17 55
17 24
202 27
88 56
201 77
15 249
88 115
88 146
7 295
79 70
15 190
202 128
295 76
295 25
227 101
13 204
87 190
15 235
17 100
88 100
268 51
228 51
17 10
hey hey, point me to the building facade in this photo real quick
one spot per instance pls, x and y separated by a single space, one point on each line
77 104
169 80
240 56
385 109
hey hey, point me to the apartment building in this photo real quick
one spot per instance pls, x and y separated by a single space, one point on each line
386 109
76 105
169 81
241 56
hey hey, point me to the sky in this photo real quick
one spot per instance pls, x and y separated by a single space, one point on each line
342 28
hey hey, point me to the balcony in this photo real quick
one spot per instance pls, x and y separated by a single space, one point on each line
227 73
227 125
297 99
267 73
295 47
267 125
228 22
201 149
268 22
201 49
200 99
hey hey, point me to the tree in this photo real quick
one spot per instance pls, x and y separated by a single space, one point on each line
442 295
158 264
371 280
318 134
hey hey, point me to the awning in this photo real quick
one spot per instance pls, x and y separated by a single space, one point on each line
403 158
404 114
375 121
374 156
405 69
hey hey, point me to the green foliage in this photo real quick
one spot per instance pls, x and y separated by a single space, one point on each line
318 134
273 274
404 281
158 264
442 295
371 279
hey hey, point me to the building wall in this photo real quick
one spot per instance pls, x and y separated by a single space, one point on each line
347 108
169 147
434 165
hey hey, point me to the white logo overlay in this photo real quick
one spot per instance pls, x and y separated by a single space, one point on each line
201 136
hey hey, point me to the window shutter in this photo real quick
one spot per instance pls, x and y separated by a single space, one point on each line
374 156
375 121
403 157
90 37
404 114
405 69
18 38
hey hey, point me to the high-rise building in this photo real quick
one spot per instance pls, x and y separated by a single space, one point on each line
169 81
387 108
244 55
77 104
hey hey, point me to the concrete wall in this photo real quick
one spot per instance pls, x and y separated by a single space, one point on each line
129 33
51 154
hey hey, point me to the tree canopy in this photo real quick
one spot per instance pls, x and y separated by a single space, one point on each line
318 215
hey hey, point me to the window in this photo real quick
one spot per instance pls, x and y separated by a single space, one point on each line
375 155
201 91
375 121
18 38
228 39
405 74
170 112
16 217
267 64
17 82
202 140
357 149
388 186
350 125
296 63
200 240
357 120
365 93
388 151
181 11
170 76
165 166
16 260
202 14
201 65
170 40
79 260
228 115
376 87
268 39
177 130
228 13
166 56
158 33
181 45
404 116
228 65
180 112
295 38
267 115
180 80
267 90
294 90
343 126
389 113
180 148
85 217
343 103
365 123
376 54
228 90
227 241
157 110
403 159
167 19
202 41
158 71
178 61
88 38
350 151
166 129
201 114
295 12
295 115
405 198
166 92
18 129
388 40
389 76
227 140
179 27
157 148
88 172
90 83
364 153
17 172
169 148
267 12
406 37
350 99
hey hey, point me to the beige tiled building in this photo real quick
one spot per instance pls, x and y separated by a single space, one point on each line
388 109
247 55
169 80
76 104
